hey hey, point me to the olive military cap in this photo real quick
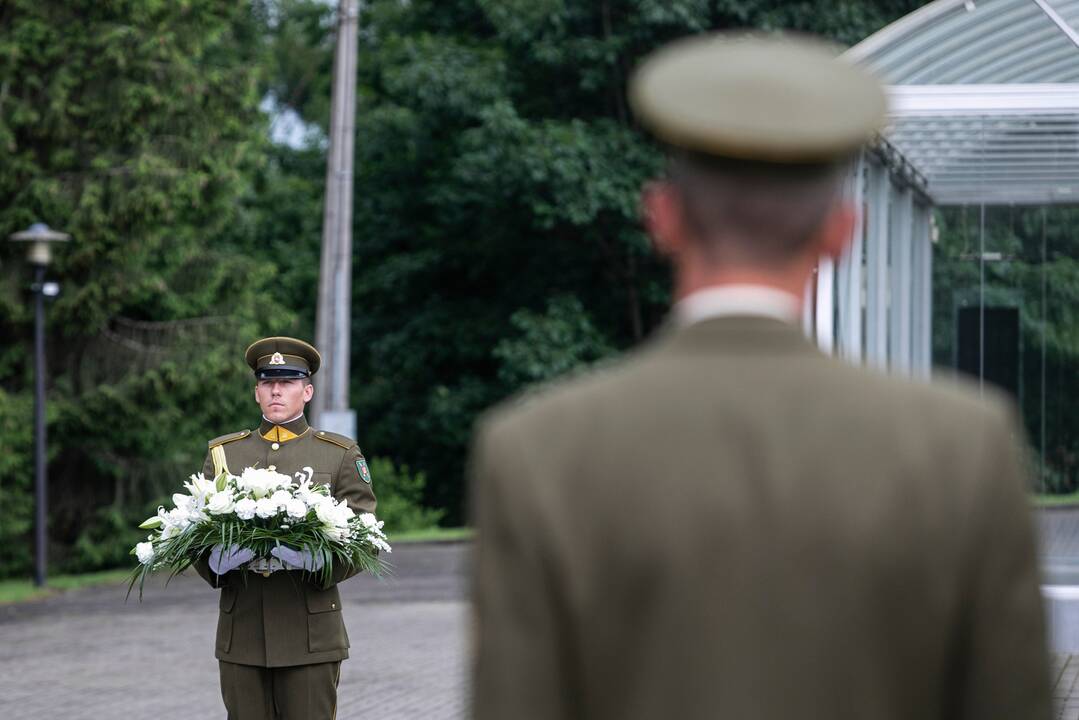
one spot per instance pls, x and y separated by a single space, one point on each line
282 357
777 99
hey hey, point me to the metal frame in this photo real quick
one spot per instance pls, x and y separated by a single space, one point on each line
850 275
878 192
922 292
935 101
899 279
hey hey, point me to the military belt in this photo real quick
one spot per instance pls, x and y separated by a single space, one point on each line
265 566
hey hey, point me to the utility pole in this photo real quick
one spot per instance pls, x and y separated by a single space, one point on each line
330 409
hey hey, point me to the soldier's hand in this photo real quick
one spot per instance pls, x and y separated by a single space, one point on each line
224 559
298 559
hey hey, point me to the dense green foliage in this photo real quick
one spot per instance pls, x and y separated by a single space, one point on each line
496 233
134 126
498 172
400 498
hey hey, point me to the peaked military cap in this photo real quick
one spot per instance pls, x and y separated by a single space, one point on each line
282 357
776 99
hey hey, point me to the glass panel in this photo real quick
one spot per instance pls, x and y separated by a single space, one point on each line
1005 293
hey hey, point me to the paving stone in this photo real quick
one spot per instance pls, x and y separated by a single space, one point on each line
87 655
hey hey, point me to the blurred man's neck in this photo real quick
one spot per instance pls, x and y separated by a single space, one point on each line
694 277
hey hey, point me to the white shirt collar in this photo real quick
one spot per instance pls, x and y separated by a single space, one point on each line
726 300
286 422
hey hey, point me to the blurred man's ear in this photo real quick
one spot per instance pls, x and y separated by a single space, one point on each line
661 213
837 230
308 392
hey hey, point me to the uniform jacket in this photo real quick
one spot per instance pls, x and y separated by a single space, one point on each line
730 524
286 618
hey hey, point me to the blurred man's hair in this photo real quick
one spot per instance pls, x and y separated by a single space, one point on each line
752 213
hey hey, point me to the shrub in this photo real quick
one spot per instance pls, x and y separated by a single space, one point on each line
16 484
106 540
400 495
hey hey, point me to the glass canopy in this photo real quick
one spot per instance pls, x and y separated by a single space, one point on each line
966 259
985 98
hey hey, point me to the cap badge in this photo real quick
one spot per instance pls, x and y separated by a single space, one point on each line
277 359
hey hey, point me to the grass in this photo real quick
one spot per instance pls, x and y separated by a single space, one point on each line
437 534
1041 500
13 591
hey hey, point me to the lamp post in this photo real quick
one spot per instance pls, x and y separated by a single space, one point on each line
40 238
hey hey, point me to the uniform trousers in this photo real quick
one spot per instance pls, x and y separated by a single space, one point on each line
300 692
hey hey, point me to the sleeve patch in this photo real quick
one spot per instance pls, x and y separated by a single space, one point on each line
361 468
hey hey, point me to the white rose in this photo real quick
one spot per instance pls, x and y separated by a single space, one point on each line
266 508
257 482
221 503
245 508
262 482
296 508
327 513
145 552
281 497
177 518
334 533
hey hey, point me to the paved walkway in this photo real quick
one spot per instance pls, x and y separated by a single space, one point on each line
1059 533
88 655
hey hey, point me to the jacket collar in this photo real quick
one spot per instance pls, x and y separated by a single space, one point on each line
283 432
736 334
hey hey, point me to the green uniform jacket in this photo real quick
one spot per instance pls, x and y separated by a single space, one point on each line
730 524
285 618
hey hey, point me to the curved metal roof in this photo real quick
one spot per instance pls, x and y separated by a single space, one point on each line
985 97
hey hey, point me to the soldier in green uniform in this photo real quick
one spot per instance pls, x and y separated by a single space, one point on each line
280 634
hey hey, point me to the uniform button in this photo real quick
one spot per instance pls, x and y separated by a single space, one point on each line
275 446
273 467
333 606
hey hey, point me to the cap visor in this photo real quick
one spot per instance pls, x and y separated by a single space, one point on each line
281 373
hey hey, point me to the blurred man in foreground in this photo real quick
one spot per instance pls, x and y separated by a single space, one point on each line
729 524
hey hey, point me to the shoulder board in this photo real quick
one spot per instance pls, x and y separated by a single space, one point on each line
229 438
339 440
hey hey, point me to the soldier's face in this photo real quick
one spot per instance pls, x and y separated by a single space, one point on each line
282 400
